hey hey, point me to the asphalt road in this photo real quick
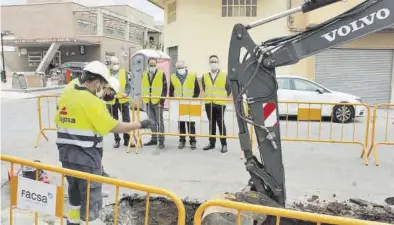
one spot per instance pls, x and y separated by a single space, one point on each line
324 169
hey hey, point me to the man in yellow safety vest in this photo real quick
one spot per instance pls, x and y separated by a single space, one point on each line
82 120
121 101
215 85
184 84
154 84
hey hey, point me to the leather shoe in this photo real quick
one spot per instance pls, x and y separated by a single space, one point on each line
224 149
181 145
117 144
193 145
150 143
209 147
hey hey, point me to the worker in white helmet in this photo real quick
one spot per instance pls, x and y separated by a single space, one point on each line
82 121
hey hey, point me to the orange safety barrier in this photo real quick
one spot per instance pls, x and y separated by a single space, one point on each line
316 122
308 127
386 125
278 213
191 109
59 195
47 108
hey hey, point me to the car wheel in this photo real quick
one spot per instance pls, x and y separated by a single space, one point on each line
343 113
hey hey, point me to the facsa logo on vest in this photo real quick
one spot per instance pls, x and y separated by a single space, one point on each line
359 24
35 197
63 119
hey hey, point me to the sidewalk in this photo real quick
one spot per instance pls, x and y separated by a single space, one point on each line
8 87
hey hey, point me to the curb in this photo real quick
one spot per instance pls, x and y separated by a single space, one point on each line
34 89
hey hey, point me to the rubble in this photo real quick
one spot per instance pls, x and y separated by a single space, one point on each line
164 212
353 208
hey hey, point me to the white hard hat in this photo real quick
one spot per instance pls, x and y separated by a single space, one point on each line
99 68
114 83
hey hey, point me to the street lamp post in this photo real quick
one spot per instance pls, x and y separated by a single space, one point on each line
3 73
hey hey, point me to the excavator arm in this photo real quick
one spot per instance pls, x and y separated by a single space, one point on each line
251 71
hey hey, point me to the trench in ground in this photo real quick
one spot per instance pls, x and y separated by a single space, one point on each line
164 212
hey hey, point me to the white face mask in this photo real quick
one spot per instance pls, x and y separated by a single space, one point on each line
99 91
152 69
214 66
182 71
115 67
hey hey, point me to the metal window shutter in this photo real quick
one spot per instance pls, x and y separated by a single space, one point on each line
364 73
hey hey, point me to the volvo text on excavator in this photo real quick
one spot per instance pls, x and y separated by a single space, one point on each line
251 71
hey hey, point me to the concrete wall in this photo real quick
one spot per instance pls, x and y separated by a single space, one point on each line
38 20
200 30
117 46
205 31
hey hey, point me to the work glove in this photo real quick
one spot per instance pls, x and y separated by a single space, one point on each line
146 124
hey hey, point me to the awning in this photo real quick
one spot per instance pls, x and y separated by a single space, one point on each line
158 3
24 43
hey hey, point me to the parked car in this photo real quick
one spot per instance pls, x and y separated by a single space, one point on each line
75 67
295 88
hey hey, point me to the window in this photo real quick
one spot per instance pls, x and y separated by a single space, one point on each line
303 85
239 8
136 33
171 12
284 83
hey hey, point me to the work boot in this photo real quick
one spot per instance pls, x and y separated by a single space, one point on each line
193 145
181 145
161 145
117 144
224 149
209 147
150 143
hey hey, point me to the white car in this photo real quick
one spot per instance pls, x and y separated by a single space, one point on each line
299 89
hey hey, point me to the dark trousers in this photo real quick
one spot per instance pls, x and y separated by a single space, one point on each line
215 115
124 109
155 113
191 129
77 191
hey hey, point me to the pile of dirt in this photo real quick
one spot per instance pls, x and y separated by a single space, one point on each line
353 208
164 212
161 211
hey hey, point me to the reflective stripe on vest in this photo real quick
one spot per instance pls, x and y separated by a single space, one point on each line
154 90
216 89
81 138
122 76
185 90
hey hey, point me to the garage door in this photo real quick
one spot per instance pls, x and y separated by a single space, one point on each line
364 73
173 53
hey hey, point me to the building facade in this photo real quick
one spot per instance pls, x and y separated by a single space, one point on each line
59 32
193 30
